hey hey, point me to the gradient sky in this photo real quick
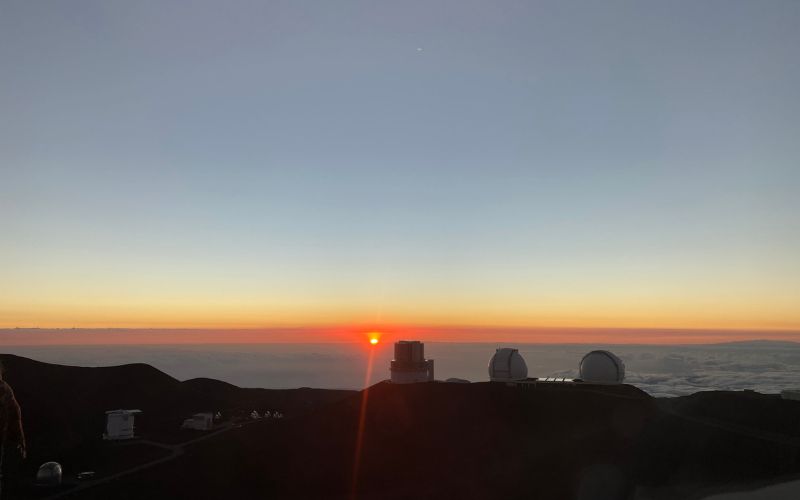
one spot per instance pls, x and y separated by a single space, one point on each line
261 164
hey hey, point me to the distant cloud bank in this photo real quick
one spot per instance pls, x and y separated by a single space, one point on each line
767 367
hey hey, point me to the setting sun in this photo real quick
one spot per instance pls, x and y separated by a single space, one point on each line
373 341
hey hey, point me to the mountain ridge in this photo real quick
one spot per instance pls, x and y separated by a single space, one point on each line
430 440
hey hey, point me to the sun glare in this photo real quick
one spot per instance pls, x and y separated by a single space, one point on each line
373 337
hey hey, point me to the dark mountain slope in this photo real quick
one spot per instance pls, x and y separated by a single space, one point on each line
64 406
425 440
431 440
766 412
475 441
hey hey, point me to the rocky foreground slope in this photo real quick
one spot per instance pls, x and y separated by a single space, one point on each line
432 440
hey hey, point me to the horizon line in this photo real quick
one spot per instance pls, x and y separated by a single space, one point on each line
37 336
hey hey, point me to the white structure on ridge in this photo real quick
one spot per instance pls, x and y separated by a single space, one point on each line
49 474
119 424
602 367
199 421
409 364
507 365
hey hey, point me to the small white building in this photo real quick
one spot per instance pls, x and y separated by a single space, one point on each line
199 422
409 364
120 424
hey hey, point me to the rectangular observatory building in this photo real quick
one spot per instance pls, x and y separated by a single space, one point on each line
409 364
119 424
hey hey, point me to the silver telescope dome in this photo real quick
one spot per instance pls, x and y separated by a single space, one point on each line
602 367
506 365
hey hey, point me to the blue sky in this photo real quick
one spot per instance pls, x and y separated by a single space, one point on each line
527 162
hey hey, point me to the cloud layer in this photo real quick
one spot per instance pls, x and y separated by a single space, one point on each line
660 370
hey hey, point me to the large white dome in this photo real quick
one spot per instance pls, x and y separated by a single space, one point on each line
506 365
602 367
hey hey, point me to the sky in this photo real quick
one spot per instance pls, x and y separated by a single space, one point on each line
249 164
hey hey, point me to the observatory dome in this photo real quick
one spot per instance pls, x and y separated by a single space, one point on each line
506 365
602 367
49 474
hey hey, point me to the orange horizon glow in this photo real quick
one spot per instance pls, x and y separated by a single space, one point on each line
587 306
374 336
737 317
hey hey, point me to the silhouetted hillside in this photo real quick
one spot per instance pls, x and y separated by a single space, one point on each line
64 406
766 412
439 440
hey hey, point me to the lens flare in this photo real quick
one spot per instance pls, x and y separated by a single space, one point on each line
373 339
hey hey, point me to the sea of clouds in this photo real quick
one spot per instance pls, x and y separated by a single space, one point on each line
767 367
675 370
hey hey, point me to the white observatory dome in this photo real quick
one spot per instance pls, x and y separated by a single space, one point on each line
49 474
602 367
507 365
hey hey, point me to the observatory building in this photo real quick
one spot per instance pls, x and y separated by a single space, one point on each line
199 422
49 474
507 365
119 424
409 364
602 367
597 367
